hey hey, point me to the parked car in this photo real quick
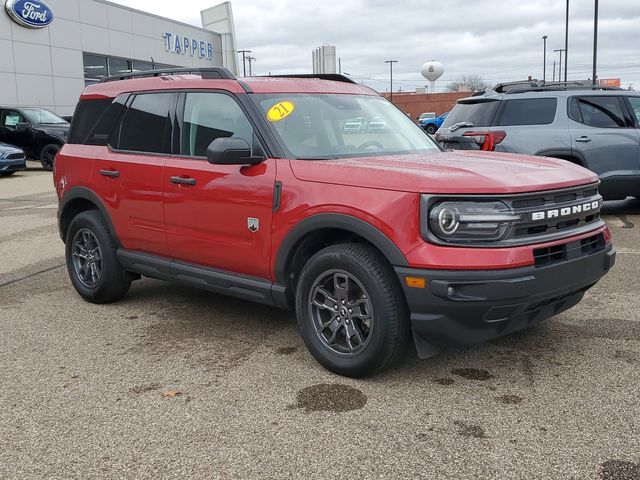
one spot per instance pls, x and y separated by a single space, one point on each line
216 183
354 125
39 132
426 115
594 127
12 160
430 125
377 125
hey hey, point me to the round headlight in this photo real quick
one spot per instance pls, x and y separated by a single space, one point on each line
448 221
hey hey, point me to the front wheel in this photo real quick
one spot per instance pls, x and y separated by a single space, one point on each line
92 261
48 155
350 309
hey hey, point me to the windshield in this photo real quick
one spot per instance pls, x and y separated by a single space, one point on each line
42 116
328 126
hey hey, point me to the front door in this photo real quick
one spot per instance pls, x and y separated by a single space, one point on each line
218 215
604 134
14 129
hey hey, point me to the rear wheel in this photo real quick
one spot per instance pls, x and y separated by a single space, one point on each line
92 261
350 310
431 129
48 155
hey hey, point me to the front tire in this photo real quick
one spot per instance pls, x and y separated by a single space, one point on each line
92 262
350 309
48 155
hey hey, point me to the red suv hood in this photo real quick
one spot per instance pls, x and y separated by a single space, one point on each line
447 172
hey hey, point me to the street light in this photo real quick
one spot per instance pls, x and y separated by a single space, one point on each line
566 42
251 59
544 60
595 42
391 62
560 64
244 66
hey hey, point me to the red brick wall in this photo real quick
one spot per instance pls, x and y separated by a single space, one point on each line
417 103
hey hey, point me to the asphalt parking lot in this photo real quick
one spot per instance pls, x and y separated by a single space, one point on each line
175 382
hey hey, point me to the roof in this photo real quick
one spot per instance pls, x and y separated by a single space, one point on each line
260 85
492 95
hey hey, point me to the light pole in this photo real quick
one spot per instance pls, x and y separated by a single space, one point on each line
595 42
566 42
391 62
544 60
251 59
560 64
244 58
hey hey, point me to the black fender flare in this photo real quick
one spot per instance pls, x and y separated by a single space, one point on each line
334 220
563 152
75 193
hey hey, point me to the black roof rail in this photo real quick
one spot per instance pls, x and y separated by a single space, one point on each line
559 88
219 73
336 77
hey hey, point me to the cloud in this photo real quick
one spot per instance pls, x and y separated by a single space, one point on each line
501 41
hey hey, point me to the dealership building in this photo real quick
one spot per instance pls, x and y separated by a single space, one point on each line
51 49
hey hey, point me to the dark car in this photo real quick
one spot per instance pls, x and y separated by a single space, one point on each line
12 159
39 132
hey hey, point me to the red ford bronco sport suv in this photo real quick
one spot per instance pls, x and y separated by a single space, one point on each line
253 188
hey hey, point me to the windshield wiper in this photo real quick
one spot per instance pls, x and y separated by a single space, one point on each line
458 125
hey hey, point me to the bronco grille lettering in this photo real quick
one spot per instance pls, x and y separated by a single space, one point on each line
565 211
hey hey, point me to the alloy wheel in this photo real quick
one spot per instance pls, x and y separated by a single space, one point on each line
87 258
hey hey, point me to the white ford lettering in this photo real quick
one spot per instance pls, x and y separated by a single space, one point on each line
565 211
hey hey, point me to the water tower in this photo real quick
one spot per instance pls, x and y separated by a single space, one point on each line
432 71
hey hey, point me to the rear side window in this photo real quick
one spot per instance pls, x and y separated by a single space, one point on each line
146 127
529 111
95 120
479 113
87 114
597 111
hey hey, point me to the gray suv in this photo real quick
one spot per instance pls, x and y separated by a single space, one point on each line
594 127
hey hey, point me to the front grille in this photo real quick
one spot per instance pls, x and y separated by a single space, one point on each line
554 214
555 254
15 156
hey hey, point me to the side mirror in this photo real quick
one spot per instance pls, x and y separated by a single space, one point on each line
231 151
22 127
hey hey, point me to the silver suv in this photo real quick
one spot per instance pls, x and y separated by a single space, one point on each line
594 127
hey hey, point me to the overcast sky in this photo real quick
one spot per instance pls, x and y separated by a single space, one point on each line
499 40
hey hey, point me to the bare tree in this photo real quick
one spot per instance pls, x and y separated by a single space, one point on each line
473 82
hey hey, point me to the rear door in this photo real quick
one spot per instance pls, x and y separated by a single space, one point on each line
604 134
218 215
128 173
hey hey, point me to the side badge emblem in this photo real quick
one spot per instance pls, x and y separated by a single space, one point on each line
253 224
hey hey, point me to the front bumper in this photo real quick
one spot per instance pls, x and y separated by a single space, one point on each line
463 308
12 165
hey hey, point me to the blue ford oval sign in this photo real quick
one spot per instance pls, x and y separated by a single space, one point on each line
30 13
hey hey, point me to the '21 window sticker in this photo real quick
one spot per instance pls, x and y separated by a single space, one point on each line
280 111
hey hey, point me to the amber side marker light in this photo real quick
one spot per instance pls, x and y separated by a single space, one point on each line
415 282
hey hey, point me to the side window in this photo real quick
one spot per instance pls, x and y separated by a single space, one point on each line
598 111
208 116
530 111
635 108
10 118
146 127
94 121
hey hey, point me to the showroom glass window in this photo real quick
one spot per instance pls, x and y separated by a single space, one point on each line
208 116
146 127
95 67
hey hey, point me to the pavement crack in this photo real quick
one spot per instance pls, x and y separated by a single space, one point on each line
24 277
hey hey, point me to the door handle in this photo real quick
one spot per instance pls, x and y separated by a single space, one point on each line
583 139
110 173
183 180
